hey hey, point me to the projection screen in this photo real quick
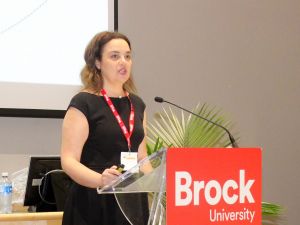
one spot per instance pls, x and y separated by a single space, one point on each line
42 43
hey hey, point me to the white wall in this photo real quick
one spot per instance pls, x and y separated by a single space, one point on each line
22 137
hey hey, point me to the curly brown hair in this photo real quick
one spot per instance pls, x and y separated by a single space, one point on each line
90 75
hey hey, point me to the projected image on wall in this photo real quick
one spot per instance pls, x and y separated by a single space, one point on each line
42 43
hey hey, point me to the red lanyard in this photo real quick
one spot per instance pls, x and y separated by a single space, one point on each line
119 119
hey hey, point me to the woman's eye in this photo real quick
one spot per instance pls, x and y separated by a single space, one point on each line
115 56
128 57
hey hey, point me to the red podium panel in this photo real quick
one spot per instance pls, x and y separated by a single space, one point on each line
214 186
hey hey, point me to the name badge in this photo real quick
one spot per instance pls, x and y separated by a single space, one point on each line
129 160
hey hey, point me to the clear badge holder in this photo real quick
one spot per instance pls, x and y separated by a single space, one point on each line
147 178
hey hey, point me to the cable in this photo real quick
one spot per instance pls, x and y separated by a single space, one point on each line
40 194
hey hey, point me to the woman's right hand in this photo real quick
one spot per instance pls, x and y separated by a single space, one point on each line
109 175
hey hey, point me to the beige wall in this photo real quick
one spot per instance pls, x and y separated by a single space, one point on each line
240 55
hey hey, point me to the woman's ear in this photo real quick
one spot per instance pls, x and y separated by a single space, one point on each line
97 64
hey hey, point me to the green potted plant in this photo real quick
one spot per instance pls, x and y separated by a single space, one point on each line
169 130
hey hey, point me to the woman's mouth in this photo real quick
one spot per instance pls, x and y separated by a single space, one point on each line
123 71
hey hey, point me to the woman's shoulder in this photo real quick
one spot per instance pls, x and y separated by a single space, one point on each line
84 96
83 101
135 97
137 100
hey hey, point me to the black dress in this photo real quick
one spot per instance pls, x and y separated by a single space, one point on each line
102 150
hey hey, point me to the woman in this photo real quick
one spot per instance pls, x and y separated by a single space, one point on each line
94 137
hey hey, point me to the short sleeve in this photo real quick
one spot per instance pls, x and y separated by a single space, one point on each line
79 102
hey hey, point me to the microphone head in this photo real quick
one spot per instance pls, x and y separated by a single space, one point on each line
159 99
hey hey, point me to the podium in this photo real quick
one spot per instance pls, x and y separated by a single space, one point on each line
194 186
148 177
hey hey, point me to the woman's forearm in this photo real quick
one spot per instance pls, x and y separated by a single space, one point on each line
80 173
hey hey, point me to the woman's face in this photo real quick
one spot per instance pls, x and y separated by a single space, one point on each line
115 64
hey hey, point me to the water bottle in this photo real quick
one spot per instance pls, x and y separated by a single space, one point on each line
5 194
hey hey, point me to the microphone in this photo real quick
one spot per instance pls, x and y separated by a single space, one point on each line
232 140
